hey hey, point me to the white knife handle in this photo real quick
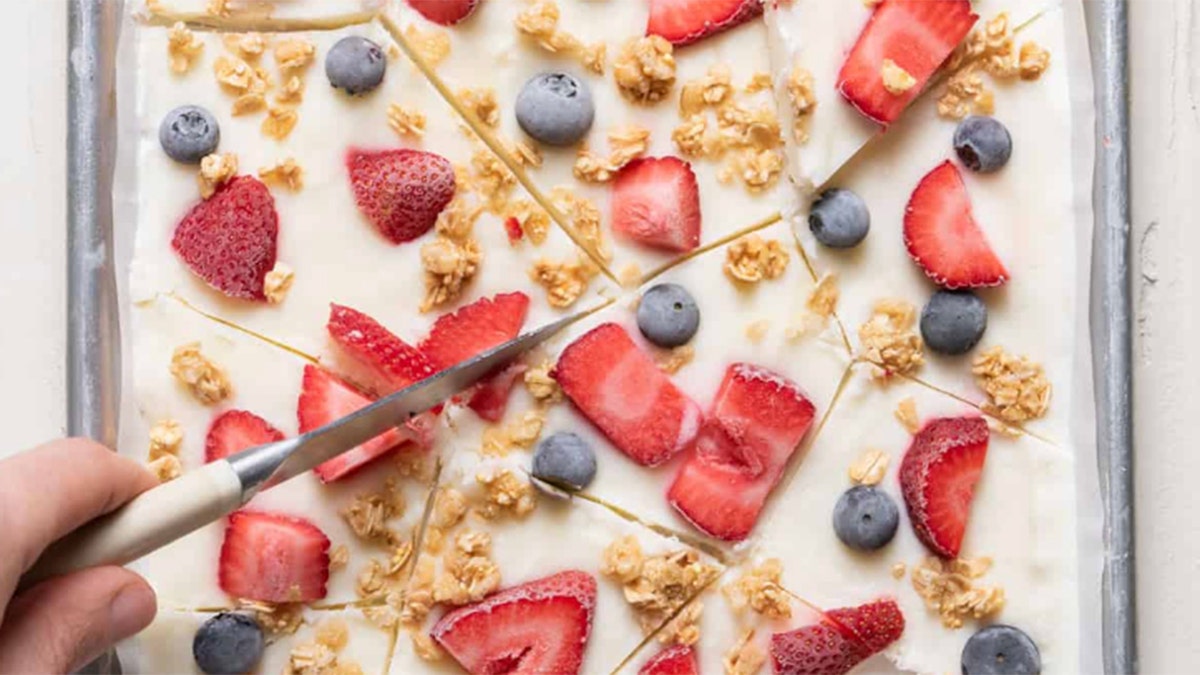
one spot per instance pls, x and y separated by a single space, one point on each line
150 521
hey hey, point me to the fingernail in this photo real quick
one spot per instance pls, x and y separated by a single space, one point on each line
131 610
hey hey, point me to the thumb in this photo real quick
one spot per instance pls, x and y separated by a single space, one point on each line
63 623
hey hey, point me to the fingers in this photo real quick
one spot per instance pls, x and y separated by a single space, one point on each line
61 624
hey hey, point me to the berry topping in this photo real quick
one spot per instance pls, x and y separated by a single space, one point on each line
677 660
228 643
982 143
236 430
555 108
865 518
756 422
839 218
668 315
401 191
916 36
565 461
943 237
324 399
841 640
656 202
953 322
391 363
682 22
938 477
1001 650
228 240
490 397
475 328
189 133
876 624
271 557
541 626
621 390
444 12
355 65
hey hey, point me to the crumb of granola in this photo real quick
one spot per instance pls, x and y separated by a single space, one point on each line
275 618
166 468
673 360
585 220
645 69
745 657
492 178
950 588
1034 61
760 169
339 557
425 647
824 297
564 281
204 379
896 80
869 468
630 275
757 330
292 91
449 265
294 53
166 437
320 656
432 46
906 413
406 122
469 574
657 586
182 48
419 466
996 426
279 122
684 629
752 259
760 589
236 76
888 340
803 97
482 103
217 8
532 219
539 22
623 559
759 81
711 90
368 514
991 48
520 433
248 46
505 493
286 172
541 386
899 570
457 220
1017 388
215 171
627 143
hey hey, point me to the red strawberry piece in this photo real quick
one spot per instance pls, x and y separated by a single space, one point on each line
271 557
228 240
656 202
683 22
620 389
392 363
938 477
236 430
444 12
490 398
512 227
876 624
755 425
819 649
323 399
943 237
474 329
401 191
677 660
916 35
538 627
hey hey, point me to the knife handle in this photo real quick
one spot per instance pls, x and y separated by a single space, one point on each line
145 524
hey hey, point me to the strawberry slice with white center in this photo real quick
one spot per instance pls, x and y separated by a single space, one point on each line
840 641
401 192
677 660
490 398
235 430
444 12
391 363
938 477
942 236
656 202
538 627
474 329
683 22
755 425
917 36
324 399
876 624
270 557
621 390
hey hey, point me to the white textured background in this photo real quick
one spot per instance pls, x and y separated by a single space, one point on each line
1165 72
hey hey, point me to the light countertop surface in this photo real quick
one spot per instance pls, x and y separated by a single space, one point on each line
1165 76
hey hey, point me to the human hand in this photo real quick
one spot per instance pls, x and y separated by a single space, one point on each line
61 624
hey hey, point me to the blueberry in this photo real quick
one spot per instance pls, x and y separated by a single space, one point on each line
565 460
839 218
1001 650
555 108
982 143
865 518
228 643
355 65
953 322
189 133
667 315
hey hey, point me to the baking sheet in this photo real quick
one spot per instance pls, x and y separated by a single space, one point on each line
97 264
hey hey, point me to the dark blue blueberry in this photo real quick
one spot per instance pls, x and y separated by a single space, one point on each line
555 108
565 461
982 143
953 322
1001 650
189 133
355 65
865 518
839 218
667 315
228 643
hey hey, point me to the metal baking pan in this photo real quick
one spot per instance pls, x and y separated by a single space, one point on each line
93 333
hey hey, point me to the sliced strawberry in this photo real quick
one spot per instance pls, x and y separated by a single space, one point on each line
818 649
271 557
656 202
512 228
677 660
228 240
392 363
916 35
236 430
682 22
938 477
755 425
474 329
620 389
323 399
943 237
401 191
876 624
490 398
444 12
538 627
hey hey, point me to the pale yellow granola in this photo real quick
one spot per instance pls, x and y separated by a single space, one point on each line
803 97
294 53
339 557
449 509
539 22
279 122
321 655
166 468
215 171
564 280
276 618
760 590
204 379
449 266
644 69
713 89
888 340
278 282
673 360
481 102
248 46
752 259
166 437
627 143
368 514
541 386
287 173
869 468
406 122
249 103
823 299
906 413
1034 61
991 49
519 433
1017 388
656 586
292 91
432 46
896 80
468 572
505 493
756 330
950 588
585 220
425 647
182 48
684 629
745 657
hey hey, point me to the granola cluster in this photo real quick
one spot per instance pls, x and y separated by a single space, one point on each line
278 282
520 433
539 22
216 170
824 297
449 264
182 48
481 102
627 143
406 122
896 80
745 657
869 468
321 655
204 379
368 514
166 468
1017 388
505 494
991 49
949 587
906 413
286 172
564 280
888 339
432 46
657 586
752 259
242 75
541 386
530 220
166 437
803 98
760 590
468 572
275 618
673 360
644 69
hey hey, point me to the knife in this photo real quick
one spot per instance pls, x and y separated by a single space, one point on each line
165 513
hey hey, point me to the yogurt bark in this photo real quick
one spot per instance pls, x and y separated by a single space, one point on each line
234 13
